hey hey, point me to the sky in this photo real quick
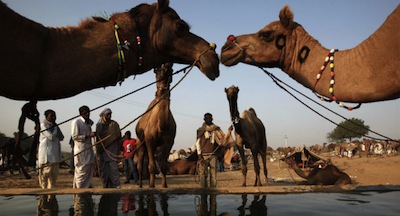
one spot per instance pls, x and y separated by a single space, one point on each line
337 24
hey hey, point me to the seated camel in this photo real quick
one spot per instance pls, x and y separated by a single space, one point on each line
182 166
328 175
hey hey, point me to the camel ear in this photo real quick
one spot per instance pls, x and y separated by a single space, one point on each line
163 5
286 17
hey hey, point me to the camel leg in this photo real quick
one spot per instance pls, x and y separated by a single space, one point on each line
162 160
151 164
244 164
264 160
163 170
29 111
257 181
141 152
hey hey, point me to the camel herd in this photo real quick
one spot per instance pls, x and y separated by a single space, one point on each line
158 37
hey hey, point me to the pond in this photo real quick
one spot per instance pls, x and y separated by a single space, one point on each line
365 203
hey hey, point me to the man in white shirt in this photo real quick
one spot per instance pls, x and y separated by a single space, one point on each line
81 132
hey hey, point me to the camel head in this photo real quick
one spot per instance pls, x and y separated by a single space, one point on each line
265 48
171 40
164 78
232 96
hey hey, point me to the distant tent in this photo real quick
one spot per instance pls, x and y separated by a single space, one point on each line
307 159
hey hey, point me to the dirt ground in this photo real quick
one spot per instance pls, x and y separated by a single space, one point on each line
366 172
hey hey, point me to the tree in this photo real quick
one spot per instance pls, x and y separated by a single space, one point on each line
348 129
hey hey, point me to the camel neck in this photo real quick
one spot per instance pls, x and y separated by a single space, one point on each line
361 74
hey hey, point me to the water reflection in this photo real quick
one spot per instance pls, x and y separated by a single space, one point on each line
47 205
146 204
83 205
368 203
108 205
257 206
128 203
206 205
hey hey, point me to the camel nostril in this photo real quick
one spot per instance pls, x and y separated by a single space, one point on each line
231 38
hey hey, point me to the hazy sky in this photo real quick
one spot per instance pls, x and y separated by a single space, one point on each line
336 24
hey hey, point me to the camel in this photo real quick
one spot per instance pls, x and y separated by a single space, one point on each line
175 155
249 133
54 63
73 59
182 166
156 129
328 175
394 147
366 73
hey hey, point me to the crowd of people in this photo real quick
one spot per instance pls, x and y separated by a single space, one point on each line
109 144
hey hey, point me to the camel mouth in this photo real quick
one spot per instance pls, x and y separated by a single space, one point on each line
209 64
231 56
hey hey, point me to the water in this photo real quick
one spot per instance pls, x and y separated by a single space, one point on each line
366 203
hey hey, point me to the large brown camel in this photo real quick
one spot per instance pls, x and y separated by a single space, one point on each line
45 63
156 129
53 63
329 175
366 73
249 133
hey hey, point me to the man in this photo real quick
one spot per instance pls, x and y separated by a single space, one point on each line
109 133
129 146
49 153
81 132
209 138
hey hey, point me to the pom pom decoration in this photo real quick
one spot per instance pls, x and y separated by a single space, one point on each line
213 46
231 38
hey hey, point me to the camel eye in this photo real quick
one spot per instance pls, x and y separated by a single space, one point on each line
182 27
267 36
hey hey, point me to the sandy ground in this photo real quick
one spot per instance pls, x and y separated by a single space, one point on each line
367 173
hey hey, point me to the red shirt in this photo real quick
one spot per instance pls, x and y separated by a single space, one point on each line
129 147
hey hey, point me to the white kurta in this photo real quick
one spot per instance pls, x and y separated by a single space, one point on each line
49 146
49 152
80 132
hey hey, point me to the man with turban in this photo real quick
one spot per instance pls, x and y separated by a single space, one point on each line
109 135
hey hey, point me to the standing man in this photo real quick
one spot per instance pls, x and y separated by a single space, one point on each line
129 146
109 132
81 132
49 150
209 138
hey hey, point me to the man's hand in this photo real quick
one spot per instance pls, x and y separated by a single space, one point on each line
200 158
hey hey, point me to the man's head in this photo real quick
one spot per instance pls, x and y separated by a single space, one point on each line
105 115
84 111
127 135
50 115
208 118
